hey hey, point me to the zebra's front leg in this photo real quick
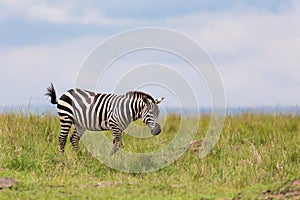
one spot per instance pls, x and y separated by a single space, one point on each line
117 141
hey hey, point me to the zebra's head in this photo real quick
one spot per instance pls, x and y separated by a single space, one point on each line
150 114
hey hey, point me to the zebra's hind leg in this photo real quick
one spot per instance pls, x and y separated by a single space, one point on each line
75 137
64 131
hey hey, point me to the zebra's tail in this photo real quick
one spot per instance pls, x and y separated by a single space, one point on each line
52 94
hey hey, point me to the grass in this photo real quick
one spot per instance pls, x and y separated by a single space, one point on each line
257 156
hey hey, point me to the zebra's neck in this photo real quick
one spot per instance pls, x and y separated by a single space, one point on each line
136 103
136 108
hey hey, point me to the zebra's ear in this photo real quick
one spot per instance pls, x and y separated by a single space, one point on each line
157 101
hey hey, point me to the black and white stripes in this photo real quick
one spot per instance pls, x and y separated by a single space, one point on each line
96 112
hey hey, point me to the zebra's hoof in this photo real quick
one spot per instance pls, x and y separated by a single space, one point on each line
114 150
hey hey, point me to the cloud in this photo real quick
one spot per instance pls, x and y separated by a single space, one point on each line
57 12
117 12
35 10
256 50
27 71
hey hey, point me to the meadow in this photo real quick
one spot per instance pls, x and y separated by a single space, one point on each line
256 157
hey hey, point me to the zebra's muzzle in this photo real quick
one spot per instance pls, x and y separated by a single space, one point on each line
156 130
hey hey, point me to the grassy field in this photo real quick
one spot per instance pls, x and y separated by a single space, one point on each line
257 157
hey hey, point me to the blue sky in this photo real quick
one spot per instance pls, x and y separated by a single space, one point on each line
255 44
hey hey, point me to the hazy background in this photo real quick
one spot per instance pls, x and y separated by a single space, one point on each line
255 44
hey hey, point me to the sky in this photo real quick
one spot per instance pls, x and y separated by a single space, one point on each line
254 45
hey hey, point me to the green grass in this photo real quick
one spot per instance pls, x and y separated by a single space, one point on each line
257 156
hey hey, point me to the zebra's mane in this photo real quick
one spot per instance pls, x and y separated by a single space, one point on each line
139 94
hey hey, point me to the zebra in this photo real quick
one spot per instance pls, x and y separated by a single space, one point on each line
98 112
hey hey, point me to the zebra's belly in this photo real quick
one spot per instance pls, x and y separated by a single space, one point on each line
98 129
103 126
